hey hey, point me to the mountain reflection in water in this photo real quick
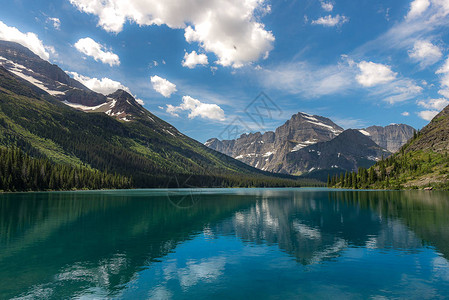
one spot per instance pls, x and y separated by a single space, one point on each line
119 244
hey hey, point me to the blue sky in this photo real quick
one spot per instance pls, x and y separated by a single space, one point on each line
200 64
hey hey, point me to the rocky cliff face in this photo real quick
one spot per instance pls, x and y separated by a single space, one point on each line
291 147
348 151
266 151
391 137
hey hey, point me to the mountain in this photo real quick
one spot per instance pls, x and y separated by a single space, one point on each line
269 150
348 151
421 163
391 137
49 77
290 148
124 139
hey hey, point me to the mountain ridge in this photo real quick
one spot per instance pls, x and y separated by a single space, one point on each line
274 150
422 163
148 150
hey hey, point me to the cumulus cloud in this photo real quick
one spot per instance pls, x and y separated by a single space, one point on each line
426 53
91 48
417 7
372 74
103 86
444 93
428 115
191 60
197 109
330 21
163 86
55 22
444 69
29 40
436 104
444 80
327 6
405 114
228 28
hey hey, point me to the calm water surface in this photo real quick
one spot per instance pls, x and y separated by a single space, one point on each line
225 244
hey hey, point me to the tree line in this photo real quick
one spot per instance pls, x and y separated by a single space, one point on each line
20 172
396 171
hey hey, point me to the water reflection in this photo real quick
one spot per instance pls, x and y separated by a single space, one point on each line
61 245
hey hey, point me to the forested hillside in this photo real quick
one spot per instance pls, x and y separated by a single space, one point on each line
422 163
147 151
20 172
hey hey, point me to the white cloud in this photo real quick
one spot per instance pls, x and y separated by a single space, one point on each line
445 68
55 22
398 90
417 8
309 80
444 80
191 60
426 53
405 114
91 48
103 86
172 110
444 93
403 35
327 6
373 74
163 86
197 109
29 40
315 81
330 21
428 115
228 28
437 104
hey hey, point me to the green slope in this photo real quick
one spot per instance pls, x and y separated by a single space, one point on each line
148 150
422 163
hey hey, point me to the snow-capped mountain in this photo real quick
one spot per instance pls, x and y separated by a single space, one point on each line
51 79
268 150
292 148
348 151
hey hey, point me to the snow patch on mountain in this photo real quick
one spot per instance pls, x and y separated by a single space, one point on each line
20 70
83 107
364 132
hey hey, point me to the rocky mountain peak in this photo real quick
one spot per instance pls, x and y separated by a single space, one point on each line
391 137
267 150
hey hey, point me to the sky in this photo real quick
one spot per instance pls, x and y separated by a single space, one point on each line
219 68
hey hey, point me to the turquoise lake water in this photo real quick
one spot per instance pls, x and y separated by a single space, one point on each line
225 244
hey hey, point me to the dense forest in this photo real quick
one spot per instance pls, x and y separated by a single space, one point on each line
20 172
144 153
406 169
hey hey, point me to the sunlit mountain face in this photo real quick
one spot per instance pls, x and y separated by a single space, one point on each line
130 244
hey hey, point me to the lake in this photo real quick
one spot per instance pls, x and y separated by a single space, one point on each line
225 244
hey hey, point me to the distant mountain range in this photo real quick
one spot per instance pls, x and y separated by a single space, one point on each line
314 144
43 112
56 119
423 162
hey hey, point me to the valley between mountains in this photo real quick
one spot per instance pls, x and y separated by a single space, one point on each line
49 119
